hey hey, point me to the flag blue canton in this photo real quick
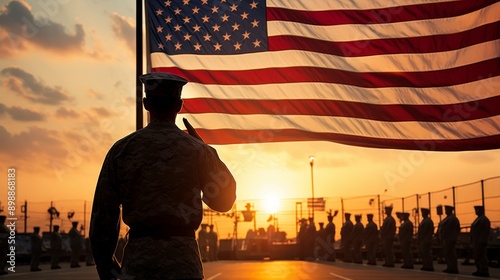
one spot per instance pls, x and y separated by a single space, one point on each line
207 26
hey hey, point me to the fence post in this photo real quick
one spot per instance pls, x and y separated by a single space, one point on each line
342 206
453 189
403 204
430 206
482 193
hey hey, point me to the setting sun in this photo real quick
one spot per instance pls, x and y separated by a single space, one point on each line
271 204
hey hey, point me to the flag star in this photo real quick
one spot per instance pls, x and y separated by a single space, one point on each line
204 2
196 10
246 35
256 43
236 26
168 37
168 3
216 27
253 5
205 18
215 9
186 2
187 37
217 47
244 15
223 1
159 29
197 47
207 37
168 19
234 7
225 18
159 12
237 46
187 19
196 28
160 46
255 23
226 37
178 46
177 11
177 27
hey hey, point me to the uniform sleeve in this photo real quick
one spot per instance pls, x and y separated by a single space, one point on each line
104 223
217 182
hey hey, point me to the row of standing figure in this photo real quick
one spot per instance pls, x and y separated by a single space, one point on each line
316 244
207 242
354 235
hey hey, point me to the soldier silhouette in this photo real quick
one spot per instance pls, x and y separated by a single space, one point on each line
387 233
55 247
346 237
370 236
405 239
4 246
448 230
159 176
480 233
330 237
36 249
212 244
357 239
311 240
424 238
75 241
302 239
203 242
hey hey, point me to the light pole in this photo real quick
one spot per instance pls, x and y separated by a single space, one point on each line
311 162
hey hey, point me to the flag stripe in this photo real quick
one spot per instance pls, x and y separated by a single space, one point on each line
320 5
445 77
382 15
336 108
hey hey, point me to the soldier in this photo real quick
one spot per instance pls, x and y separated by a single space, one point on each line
4 246
203 242
480 233
319 245
311 239
301 239
405 238
55 247
330 238
449 229
75 241
89 261
160 176
370 235
212 244
36 249
424 238
387 233
346 238
357 239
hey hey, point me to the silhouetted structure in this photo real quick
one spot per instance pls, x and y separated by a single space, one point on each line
357 239
36 249
160 176
346 238
55 247
405 239
370 235
448 231
387 233
424 239
75 242
480 233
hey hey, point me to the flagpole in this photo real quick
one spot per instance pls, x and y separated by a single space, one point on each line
311 162
138 65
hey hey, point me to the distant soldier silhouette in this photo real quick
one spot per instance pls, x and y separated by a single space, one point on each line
357 239
36 249
424 239
4 246
302 239
89 260
405 240
311 239
320 242
75 241
480 233
346 237
55 247
449 229
159 176
330 237
203 242
370 236
387 233
212 244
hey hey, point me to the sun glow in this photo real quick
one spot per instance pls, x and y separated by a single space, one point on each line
271 204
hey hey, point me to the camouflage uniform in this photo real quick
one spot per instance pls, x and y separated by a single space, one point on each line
387 232
424 238
157 175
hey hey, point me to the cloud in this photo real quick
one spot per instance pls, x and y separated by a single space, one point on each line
20 27
124 28
66 113
29 144
21 114
94 94
29 87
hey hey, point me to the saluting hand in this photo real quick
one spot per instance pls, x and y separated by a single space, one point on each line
191 129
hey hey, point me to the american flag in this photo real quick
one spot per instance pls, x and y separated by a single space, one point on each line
401 74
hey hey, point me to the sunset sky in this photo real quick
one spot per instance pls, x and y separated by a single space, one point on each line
67 89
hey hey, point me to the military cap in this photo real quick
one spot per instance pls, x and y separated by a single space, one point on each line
56 227
399 215
405 215
74 223
2 218
347 214
425 211
449 207
358 216
369 215
479 207
321 224
162 84
36 228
